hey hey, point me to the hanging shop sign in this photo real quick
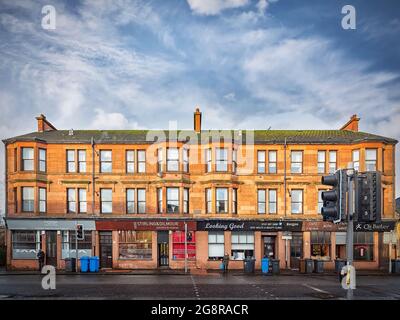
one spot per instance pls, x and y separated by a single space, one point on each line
244 225
144 225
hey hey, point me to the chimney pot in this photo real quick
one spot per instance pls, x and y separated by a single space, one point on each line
197 120
352 124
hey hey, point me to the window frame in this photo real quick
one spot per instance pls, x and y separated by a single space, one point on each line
141 169
81 162
367 160
173 202
102 201
208 197
42 161
292 152
261 169
185 159
31 203
272 162
186 195
292 202
330 171
73 162
353 152
272 202
130 164
319 162
208 156
173 161
260 202
234 200
31 160
71 191
128 201
139 202
223 161
41 201
105 161
226 202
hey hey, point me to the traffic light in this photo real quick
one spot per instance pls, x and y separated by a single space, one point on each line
368 197
79 232
334 201
189 236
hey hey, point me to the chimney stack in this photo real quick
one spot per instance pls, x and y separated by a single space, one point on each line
43 124
197 120
352 124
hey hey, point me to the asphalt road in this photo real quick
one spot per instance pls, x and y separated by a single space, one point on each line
181 287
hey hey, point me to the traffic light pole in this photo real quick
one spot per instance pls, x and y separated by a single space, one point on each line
350 230
76 247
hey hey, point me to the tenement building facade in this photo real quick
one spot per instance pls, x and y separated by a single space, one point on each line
238 192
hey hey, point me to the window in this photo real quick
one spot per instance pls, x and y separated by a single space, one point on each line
28 199
234 201
42 200
27 159
130 201
215 245
141 161
242 245
15 192
42 160
356 159
221 158
208 160
297 162
159 160
185 200
71 200
82 200
135 245
320 202
234 161
82 161
69 245
141 196
172 200
370 159
159 200
172 159
106 200
364 246
25 244
130 161
15 159
320 245
105 161
185 152
297 201
321 161
71 161
261 201
272 167
272 207
178 245
208 200
222 200
261 161
332 161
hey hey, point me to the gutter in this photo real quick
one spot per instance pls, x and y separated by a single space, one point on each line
93 177
5 181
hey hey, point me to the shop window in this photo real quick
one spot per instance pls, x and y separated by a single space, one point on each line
340 245
216 245
363 246
178 245
25 244
320 245
69 245
242 245
135 245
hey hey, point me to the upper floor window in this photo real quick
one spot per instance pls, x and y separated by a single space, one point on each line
356 159
234 161
159 200
172 159
141 196
321 161
141 161
185 157
71 167
332 161
221 159
130 161
105 161
208 200
28 199
71 200
272 201
261 200
222 200
27 159
42 160
172 200
297 201
159 160
297 161
130 201
185 200
106 200
208 160
82 160
42 200
74 204
370 159
261 161
234 201
272 159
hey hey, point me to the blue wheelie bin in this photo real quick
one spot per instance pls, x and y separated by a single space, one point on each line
94 264
264 265
84 264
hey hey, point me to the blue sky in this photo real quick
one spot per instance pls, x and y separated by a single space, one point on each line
285 64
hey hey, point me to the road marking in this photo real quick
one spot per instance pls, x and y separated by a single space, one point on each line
196 290
316 289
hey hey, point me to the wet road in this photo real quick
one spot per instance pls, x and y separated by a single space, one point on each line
183 287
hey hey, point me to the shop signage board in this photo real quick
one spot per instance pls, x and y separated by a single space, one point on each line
384 226
49 224
145 225
251 225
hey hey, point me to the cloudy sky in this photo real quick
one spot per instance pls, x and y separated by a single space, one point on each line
284 64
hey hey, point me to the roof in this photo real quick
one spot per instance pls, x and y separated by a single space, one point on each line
150 136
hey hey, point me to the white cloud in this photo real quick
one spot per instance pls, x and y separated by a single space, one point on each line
214 7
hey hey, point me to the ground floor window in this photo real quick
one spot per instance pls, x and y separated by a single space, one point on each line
364 246
135 245
215 245
242 245
69 245
178 245
320 245
25 244
341 245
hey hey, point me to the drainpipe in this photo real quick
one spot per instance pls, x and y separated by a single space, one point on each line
284 176
93 176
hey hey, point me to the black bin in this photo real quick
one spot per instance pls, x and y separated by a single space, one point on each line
318 266
396 266
339 264
249 265
309 265
275 266
70 264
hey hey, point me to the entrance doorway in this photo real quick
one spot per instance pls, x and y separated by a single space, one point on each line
105 249
51 248
163 248
296 250
269 247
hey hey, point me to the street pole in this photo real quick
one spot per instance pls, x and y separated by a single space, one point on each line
390 252
186 248
76 247
349 236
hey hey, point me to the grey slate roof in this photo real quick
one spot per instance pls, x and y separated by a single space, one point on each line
149 136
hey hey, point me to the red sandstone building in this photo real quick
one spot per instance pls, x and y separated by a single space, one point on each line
245 193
